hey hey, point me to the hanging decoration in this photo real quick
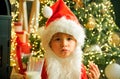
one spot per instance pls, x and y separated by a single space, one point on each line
114 39
91 23
112 71
79 4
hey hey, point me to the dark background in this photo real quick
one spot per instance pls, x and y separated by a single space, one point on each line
5 36
116 5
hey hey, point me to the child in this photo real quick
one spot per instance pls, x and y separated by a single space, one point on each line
63 39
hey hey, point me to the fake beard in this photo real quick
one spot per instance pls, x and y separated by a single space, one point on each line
64 68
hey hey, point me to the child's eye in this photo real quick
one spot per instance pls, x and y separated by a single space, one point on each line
57 39
69 38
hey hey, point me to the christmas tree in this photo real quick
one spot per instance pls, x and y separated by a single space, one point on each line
103 40
102 34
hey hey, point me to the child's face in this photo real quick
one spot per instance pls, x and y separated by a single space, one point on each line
63 45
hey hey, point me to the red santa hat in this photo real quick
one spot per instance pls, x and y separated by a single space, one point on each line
61 19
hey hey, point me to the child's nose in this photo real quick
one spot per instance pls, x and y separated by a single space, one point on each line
64 42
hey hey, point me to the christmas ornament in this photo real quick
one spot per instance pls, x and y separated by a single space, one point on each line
112 71
93 48
114 39
79 4
91 23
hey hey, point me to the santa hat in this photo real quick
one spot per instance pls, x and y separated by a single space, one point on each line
61 19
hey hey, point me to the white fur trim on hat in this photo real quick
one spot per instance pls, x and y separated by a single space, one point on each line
65 26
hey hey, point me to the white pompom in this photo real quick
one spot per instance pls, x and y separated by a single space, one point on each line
112 71
47 12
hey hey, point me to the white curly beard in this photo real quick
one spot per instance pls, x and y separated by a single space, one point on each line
64 68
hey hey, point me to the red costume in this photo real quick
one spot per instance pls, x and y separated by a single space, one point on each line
62 19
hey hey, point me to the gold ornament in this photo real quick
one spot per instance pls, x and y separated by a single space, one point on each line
91 23
79 4
112 71
114 39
